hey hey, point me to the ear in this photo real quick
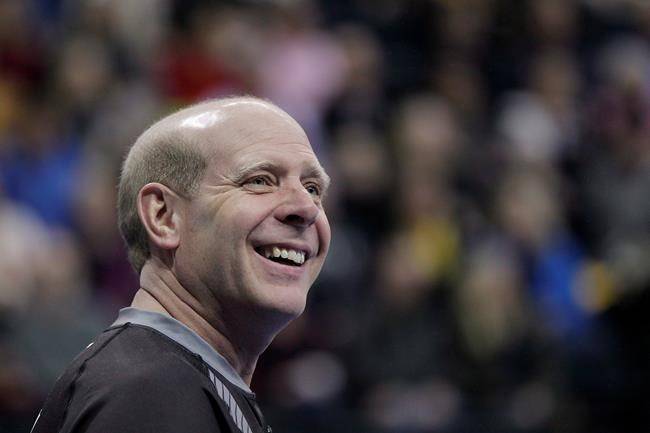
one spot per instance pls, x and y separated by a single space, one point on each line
159 211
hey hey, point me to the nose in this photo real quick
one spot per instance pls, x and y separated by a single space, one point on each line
298 208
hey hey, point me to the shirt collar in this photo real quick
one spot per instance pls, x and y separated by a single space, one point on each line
184 336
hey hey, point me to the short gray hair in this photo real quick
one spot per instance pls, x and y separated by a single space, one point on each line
167 158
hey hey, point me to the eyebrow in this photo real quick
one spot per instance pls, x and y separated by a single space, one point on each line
311 171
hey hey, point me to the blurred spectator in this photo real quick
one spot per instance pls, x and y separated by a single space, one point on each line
41 167
22 236
529 207
22 52
491 303
67 319
490 212
313 59
362 95
199 62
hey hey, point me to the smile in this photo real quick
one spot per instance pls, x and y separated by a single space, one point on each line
285 256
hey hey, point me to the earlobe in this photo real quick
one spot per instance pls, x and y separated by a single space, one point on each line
158 210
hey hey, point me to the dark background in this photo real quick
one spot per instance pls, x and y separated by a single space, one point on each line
490 266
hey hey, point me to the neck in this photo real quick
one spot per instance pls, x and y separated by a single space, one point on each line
161 292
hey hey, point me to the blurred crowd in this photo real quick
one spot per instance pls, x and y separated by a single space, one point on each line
490 265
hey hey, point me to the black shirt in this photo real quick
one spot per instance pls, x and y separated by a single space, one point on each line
150 373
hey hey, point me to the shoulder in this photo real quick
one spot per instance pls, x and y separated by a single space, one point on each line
132 379
138 380
139 358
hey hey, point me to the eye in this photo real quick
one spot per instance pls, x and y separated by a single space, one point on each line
259 181
313 189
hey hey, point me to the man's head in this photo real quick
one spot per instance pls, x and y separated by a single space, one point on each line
215 192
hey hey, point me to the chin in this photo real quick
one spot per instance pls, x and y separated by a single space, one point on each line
284 305
290 307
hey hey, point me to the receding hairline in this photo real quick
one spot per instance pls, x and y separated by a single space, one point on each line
199 116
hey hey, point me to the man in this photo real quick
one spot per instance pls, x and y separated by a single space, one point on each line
220 205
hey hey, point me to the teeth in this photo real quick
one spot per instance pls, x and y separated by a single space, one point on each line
295 256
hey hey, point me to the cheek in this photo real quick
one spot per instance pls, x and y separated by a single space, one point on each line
231 213
244 215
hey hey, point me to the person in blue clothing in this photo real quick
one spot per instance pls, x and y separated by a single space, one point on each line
221 208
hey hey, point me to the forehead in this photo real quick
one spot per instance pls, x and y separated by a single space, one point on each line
245 134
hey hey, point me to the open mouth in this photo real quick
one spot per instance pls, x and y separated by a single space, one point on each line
284 256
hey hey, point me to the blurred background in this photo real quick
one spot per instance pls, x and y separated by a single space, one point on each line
490 268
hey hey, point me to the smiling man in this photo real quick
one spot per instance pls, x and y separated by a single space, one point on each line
220 205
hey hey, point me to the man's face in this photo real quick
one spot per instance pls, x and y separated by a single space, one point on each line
260 199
